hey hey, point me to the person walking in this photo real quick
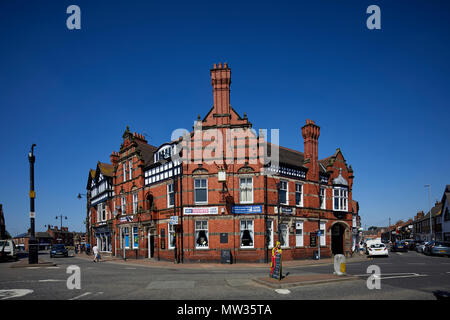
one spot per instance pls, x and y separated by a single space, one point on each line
96 256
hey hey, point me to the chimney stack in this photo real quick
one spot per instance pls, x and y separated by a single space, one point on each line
221 80
311 133
114 157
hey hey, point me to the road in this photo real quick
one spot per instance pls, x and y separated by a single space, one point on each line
403 276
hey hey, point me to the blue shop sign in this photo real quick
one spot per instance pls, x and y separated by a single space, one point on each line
246 209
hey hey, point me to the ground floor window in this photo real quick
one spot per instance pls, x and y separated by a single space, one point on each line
270 233
323 234
126 236
299 233
104 242
284 235
135 238
201 234
246 233
171 236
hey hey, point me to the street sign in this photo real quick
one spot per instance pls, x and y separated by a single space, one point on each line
318 233
276 274
174 220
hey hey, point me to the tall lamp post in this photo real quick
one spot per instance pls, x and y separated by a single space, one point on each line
429 203
32 243
88 233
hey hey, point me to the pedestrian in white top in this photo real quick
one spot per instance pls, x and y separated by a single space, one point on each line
95 250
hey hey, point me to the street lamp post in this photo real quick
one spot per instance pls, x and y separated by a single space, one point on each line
32 243
88 232
429 203
61 217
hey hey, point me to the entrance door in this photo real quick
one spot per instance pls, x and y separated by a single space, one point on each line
337 239
151 245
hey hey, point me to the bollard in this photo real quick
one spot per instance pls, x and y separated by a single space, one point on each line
339 264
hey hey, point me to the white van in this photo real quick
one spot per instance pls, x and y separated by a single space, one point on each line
8 250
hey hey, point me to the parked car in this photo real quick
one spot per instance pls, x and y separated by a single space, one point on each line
438 248
8 250
377 249
399 246
420 245
409 244
58 250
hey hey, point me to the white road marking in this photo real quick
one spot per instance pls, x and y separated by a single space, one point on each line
282 291
52 268
51 280
399 253
33 267
394 275
80 296
14 293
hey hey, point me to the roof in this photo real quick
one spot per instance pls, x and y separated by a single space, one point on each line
106 169
435 211
37 235
146 151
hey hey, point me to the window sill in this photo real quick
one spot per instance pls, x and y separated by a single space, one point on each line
247 248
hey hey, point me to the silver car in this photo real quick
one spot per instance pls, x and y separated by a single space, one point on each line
420 246
439 248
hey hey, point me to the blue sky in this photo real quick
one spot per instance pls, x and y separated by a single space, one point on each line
379 95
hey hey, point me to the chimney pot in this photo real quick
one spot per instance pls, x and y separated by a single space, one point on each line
220 65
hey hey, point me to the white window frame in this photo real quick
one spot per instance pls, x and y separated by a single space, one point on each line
323 234
135 202
170 234
104 213
195 188
323 204
342 198
287 191
269 227
244 188
130 169
197 246
251 230
286 245
99 209
124 171
299 239
301 194
170 190
132 238
123 204
126 230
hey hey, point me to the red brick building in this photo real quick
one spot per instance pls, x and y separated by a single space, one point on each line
222 188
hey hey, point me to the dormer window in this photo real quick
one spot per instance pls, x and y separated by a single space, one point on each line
164 153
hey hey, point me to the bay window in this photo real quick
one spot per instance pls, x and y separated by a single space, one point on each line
340 199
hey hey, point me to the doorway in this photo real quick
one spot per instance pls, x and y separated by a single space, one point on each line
337 239
151 245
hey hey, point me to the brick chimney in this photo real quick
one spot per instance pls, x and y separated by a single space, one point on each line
311 133
114 157
221 80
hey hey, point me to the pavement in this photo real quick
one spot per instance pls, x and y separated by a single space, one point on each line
286 282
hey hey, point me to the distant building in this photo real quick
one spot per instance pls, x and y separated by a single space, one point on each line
43 238
446 214
421 224
60 235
